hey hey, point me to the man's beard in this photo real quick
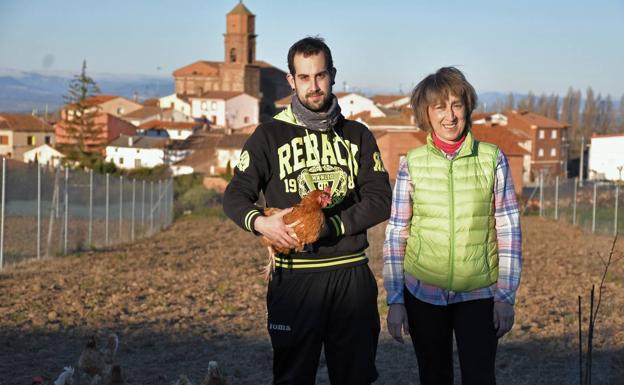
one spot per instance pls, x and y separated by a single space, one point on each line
321 105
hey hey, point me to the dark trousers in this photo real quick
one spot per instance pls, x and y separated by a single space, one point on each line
337 309
431 330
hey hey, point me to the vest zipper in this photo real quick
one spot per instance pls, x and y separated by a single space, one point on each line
451 225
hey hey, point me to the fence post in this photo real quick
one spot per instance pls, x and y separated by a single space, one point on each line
159 205
38 211
2 212
557 197
151 210
133 203
615 220
106 215
574 201
66 210
143 209
170 210
594 210
541 194
120 208
90 237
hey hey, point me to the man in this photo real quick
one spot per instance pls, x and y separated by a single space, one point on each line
326 295
453 250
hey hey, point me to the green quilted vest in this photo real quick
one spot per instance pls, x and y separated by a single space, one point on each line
452 241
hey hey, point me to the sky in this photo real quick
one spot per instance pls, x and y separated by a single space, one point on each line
504 46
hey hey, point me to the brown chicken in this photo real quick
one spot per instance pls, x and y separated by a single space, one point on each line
306 219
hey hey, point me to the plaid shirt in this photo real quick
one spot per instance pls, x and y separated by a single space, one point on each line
508 234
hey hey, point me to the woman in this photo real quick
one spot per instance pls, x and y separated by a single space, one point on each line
452 255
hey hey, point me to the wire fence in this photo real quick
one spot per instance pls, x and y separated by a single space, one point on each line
56 211
592 205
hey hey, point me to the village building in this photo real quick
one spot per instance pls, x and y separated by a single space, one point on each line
606 157
44 155
228 109
21 133
130 152
239 72
105 126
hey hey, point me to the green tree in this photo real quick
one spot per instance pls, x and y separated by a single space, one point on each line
79 119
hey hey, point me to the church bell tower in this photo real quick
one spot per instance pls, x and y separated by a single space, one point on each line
240 37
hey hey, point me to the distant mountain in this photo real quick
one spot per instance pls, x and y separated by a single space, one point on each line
23 91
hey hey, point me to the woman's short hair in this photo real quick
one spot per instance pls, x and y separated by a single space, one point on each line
436 88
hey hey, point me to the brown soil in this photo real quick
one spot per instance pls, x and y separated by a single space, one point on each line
194 293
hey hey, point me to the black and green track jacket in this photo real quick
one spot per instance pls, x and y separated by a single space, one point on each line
285 161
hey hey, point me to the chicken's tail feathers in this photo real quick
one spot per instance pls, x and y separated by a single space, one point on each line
269 268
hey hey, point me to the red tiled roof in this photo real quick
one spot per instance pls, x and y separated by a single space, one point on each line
525 119
397 120
385 99
143 113
151 102
169 125
221 95
240 9
23 123
235 141
481 115
200 67
501 136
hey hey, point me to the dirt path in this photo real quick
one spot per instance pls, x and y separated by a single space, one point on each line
194 294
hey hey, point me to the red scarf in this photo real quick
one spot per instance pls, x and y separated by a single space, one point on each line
448 148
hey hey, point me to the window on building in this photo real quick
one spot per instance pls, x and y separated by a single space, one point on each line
540 152
213 119
553 152
120 160
246 119
553 134
4 139
213 105
120 110
233 55
31 140
541 134
137 163
48 139
204 106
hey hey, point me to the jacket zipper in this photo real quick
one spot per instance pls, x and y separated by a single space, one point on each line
451 225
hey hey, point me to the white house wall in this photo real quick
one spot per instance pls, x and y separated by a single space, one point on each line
225 156
239 107
209 108
178 104
150 157
353 104
605 156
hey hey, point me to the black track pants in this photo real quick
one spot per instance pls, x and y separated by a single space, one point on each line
431 330
337 309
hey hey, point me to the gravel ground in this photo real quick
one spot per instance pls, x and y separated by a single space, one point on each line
195 293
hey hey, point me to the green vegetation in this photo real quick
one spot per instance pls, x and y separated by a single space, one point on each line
192 198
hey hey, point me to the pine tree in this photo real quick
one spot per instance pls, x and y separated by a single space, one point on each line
80 118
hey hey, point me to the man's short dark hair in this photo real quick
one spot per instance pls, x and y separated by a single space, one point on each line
309 46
